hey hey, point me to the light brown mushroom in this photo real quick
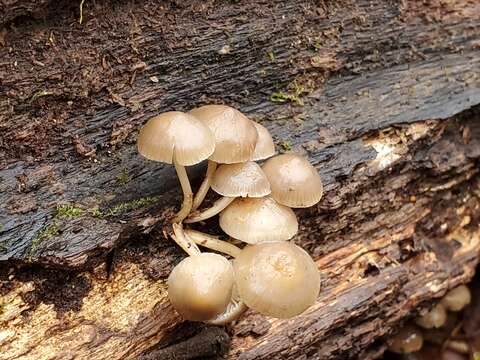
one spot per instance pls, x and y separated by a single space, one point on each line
212 242
277 279
435 318
265 147
456 299
255 220
181 139
409 339
200 286
293 180
234 180
235 138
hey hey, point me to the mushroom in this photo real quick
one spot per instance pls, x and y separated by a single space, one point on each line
294 181
200 286
457 299
235 138
409 339
178 138
234 180
265 147
255 220
277 279
435 318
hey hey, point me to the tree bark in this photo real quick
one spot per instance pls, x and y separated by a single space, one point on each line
383 97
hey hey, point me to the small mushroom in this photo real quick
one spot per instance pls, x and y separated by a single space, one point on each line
181 139
234 180
294 181
435 318
457 299
200 286
265 147
235 138
409 339
255 220
277 279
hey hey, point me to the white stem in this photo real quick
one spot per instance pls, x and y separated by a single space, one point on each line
183 241
212 242
187 193
217 206
234 309
203 190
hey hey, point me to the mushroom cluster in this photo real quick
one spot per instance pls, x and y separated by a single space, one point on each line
269 274
411 337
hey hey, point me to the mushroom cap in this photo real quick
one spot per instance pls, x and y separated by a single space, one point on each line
200 286
235 135
435 318
255 220
176 136
241 179
456 299
277 279
294 181
409 339
265 147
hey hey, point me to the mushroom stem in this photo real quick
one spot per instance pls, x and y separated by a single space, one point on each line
217 206
205 186
183 241
212 242
187 193
235 308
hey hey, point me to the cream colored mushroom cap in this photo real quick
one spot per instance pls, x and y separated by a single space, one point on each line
293 180
277 279
241 179
265 147
200 286
175 136
235 135
255 220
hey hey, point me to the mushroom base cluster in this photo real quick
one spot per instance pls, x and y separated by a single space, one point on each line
270 274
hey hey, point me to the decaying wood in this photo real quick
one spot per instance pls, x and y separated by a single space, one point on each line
382 97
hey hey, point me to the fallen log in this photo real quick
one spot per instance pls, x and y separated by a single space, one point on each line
382 99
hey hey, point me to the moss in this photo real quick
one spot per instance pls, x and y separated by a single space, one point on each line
68 210
123 178
131 205
281 97
286 145
46 233
271 56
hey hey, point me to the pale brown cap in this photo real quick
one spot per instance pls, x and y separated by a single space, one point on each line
255 220
241 179
435 318
293 180
200 286
176 136
457 299
409 339
265 147
235 135
277 279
